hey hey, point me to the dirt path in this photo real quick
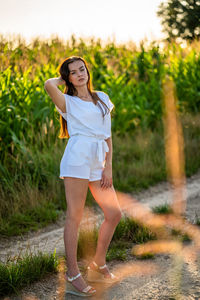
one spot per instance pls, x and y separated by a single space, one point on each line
152 285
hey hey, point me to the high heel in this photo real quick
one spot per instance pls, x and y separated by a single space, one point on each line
86 292
94 274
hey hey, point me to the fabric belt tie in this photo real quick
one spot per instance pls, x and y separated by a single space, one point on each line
102 146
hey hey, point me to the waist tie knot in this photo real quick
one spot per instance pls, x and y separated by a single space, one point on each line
101 149
102 146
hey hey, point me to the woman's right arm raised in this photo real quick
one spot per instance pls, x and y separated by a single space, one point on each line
51 86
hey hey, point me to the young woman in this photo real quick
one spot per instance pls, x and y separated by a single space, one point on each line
87 161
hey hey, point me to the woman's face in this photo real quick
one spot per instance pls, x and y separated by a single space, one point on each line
78 73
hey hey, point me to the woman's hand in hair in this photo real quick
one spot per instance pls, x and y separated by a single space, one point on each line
54 82
51 86
61 80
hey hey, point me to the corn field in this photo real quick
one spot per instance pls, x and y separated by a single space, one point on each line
132 77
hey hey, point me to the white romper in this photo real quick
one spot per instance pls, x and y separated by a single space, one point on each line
84 155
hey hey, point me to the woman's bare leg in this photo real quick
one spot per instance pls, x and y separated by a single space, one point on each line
107 200
76 192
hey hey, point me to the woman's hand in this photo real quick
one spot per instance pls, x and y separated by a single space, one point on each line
106 179
54 81
60 81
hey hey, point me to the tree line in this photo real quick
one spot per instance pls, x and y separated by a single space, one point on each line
180 19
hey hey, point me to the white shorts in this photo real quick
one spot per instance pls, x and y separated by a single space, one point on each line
84 157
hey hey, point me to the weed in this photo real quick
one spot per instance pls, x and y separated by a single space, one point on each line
162 209
130 230
197 220
184 237
147 255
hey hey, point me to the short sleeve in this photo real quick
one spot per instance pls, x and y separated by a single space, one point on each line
64 115
107 100
110 104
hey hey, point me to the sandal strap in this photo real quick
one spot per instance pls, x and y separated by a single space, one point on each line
70 279
103 267
87 289
99 267
95 264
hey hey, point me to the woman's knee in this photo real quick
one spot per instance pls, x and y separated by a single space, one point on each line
114 217
118 216
74 216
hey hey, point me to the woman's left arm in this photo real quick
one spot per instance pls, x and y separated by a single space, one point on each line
106 180
109 154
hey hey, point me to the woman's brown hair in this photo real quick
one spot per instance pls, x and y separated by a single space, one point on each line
71 90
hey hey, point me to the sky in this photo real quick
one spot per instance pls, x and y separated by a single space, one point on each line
121 21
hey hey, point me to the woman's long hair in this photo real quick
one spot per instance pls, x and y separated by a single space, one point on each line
71 90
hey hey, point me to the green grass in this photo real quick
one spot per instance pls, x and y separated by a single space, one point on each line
162 209
197 220
25 270
87 242
183 237
147 255
129 229
33 220
138 160
127 232
191 131
117 251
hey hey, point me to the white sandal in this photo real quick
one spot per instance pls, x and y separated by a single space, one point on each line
94 274
86 292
